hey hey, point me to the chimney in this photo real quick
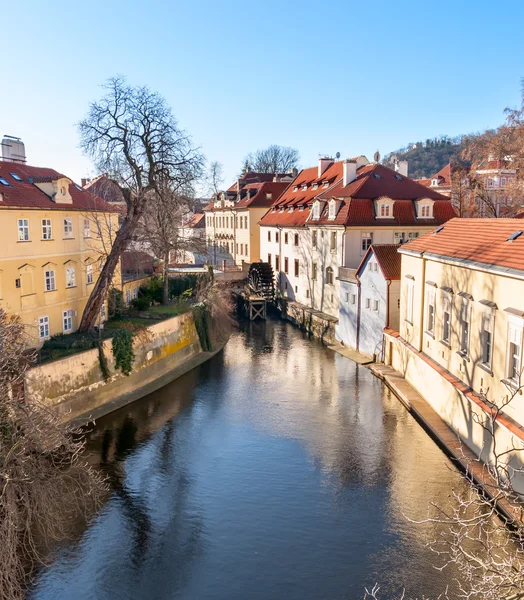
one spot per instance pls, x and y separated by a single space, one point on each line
349 167
323 164
84 181
13 149
401 167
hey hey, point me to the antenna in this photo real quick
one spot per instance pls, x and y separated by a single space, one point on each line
337 155
376 156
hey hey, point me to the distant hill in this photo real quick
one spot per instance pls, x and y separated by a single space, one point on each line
428 157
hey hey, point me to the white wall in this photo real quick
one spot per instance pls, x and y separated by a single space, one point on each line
346 329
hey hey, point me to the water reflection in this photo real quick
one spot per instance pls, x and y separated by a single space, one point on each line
276 470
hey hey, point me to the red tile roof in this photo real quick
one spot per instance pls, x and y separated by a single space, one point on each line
258 194
478 240
25 194
356 206
251 177
196 221
105 188
388 259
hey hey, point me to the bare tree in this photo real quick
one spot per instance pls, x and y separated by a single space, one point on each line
214 178
44 482
132 135
273 159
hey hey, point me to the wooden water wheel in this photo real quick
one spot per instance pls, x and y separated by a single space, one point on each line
260 280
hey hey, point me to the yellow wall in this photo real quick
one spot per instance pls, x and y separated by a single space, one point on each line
27 261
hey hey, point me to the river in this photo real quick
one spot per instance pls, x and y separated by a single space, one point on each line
278 469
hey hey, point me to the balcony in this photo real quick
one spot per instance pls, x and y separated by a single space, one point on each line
347 274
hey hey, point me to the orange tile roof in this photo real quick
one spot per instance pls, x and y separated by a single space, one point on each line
388 258
196 221
259 194
21 191
481 241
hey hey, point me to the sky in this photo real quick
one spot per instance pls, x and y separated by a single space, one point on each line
324 77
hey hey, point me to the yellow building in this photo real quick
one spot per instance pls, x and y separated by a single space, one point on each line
461 327
53 242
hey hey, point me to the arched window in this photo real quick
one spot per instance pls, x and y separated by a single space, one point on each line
329 275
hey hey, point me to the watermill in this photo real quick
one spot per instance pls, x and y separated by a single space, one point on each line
260 289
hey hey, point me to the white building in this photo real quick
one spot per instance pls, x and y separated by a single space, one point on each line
331 214
192 241
370 300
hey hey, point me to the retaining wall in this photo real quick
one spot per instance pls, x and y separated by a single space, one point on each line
75 387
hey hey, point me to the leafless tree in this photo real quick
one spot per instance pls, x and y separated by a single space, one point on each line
214 178
44 482
273 159
162 228
132 135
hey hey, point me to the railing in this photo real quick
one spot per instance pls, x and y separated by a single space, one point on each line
347 273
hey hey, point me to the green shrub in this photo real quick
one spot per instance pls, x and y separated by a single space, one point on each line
180 285
123 350
141 303
115 304
152 290
203 326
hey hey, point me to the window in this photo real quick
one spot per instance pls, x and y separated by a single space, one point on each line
446 319
375 305
285 238
245 222
68 227
269 258
464 326
367 240
89 273
49 280
314 271
16 177
314 238
425 211
347 296
70 277
276 237
277 262
353 298
385 210
67 318
399 237
269 236
368 303
307 293
46 229
329 275
43 327
103 309
514 352
23 230
486 337
296 267
316 211
128 296
332 213
412 235
333 243
286 265
296 239
87 228
430 316
246 250
410 292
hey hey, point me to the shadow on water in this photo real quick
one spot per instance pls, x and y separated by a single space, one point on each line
275 470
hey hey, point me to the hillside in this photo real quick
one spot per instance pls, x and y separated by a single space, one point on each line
428 157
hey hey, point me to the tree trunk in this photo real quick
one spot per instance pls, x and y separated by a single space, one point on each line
165 287
101 288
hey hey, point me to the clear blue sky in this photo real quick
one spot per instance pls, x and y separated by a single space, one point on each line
347 76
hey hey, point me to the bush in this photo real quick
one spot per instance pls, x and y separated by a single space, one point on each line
152 290
180 285
115 304
123 350
141 303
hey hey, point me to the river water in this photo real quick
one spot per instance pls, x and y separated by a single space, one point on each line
276 470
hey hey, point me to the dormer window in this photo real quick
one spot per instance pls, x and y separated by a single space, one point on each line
290 209
63 191
332 209
301 208
325 184
304 187
384 208
315 186
434 182
316 210
295 188
425 208
281 209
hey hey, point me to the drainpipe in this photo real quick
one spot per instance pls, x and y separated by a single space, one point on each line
359 304
280 257
387 303
422 307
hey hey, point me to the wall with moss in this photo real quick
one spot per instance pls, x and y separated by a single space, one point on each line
76 387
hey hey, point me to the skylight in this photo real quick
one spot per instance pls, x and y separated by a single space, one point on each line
514 236
376 175
439 229
399 177
4 182
77 187
16 177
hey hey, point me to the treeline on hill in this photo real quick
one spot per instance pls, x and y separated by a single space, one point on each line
428 157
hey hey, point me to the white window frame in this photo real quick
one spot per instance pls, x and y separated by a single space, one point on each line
368 303
375 305
89 274
332 210
329 275
23 230
70 274
431 309
399 237
410 295
67 320
68 228
465 326
486 337
514 352
447 308
366 241
353 298
43 328
316 211
333 241
50 280
87 228
47 229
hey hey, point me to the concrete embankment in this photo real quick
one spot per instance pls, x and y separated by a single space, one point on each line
76 388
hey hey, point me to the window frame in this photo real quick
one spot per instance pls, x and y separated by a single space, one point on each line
430 309
43 322
487 333
410 300
67 319
297 268
70 275
515 330
447 309
47 229
89 274
329 276
366 238
465 327
68 228
50 280
23 228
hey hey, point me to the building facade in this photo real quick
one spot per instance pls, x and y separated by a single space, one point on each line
232 218
331 214
55 237
461 325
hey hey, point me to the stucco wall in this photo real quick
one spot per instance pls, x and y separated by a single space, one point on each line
74 386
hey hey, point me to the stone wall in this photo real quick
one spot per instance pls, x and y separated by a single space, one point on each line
75 387
318 324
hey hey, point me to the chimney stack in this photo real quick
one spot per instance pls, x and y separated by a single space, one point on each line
401 167
349 171
323 164
13 149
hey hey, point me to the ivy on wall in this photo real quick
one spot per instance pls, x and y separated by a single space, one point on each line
123 350
103 361
203 326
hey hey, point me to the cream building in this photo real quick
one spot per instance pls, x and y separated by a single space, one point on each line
53 242
461 326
